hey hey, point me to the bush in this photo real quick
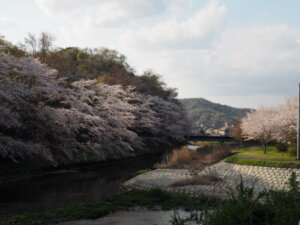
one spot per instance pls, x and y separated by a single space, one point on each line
292 150
282 147
183 158
276 207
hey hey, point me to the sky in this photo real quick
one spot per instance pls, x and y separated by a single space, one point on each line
240 53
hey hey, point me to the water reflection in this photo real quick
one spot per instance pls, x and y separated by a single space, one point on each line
60 190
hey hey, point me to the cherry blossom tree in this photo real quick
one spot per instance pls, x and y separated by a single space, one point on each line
286 121
268 124
260 125
43 118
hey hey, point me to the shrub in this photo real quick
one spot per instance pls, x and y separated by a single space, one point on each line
282 147
184 158
276 207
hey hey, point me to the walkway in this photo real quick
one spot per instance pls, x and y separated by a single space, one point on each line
261 177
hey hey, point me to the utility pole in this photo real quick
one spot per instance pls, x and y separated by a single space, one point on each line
298 130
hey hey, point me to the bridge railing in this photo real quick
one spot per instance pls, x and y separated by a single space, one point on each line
209 138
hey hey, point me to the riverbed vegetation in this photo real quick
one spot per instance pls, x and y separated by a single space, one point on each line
274 157
244 207
247 208
143 171
208 154
148 199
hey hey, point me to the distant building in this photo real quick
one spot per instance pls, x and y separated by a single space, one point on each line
222 131
225 131
210 131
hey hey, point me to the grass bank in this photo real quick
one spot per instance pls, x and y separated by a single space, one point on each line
254 156
148 199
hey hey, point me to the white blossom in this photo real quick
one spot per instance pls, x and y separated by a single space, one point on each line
41 117
260 125
268 124
286 121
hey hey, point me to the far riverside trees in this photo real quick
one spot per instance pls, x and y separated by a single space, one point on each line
106 65
237 132
38 45
48 118
272 124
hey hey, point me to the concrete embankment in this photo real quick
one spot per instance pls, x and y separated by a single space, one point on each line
230 176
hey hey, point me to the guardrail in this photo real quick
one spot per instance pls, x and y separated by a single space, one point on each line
210 138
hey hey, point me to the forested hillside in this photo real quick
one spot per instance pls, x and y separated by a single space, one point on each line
91 107
211 115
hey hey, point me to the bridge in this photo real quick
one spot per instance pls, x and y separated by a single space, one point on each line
209 138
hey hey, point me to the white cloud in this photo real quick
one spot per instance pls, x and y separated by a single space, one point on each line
225 62
108 12
7 24
64 8
194 32
199 54
253 100
178 5
256 51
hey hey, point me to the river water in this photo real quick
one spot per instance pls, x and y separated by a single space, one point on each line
90 184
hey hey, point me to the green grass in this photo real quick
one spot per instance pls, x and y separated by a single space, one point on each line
254 156
257 152
87 211
143 171
166 200
261 162
147 199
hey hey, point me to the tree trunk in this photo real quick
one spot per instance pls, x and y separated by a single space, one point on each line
264 145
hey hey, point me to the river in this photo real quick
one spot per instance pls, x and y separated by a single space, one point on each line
89 184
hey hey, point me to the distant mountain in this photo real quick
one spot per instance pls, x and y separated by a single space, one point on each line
211 115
